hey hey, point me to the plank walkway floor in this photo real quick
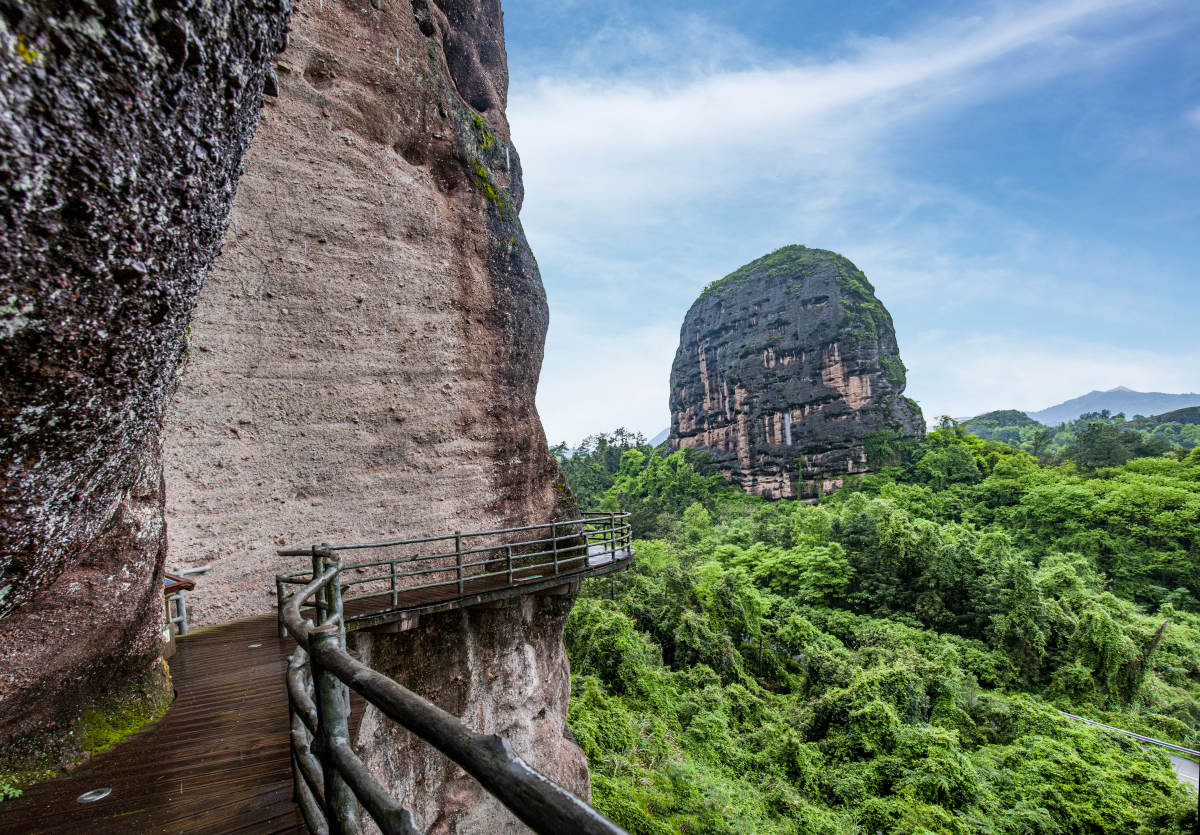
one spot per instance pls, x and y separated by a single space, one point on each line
216 763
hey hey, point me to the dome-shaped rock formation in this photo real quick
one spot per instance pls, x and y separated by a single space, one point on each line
784 369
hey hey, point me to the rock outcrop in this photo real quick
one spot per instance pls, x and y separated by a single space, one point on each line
784 369
503 671
364 360
122 130
365 354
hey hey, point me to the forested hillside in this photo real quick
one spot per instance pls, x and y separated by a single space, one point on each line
893 658
1125 438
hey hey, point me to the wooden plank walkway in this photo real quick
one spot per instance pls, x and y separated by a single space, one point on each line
217 763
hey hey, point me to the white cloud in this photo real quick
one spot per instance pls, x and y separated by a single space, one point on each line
595 381
601 149
963 376
642 188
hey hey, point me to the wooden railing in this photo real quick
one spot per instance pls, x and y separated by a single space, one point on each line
330 780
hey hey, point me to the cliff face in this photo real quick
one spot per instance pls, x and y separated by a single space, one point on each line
502 671
783 369
365 354
122 130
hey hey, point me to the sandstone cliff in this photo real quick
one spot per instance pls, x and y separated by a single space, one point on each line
502 671
365 353
122 130
363 365
784 368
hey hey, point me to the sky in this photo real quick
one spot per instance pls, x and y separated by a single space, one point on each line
1019 180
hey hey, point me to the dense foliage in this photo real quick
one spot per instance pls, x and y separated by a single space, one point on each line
1137 437
591 467
893 659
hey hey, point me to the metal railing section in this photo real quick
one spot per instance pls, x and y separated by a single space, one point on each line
506 557
1147 740
330 780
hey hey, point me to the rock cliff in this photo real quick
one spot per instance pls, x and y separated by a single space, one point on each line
502 671
365 354
364 359
784 368
122 130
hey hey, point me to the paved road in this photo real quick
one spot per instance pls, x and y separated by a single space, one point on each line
1187 770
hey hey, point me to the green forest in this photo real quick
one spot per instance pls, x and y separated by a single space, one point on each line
894 658
1136 437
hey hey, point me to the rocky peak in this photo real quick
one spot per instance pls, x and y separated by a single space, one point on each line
784 368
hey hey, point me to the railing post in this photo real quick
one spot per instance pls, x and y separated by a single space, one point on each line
395 592
612 535
318 567
279 601
459 558
181 611
333 726
510 573
554 543
334 594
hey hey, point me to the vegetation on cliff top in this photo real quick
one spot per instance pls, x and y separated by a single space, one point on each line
865 316
893 658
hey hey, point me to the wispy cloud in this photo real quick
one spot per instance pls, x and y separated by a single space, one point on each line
645 182
968 374
601 146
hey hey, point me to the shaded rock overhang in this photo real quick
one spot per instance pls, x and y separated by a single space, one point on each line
122 130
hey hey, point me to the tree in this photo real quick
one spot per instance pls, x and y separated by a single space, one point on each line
1106 445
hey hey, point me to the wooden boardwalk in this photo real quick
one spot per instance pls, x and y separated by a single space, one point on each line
218 762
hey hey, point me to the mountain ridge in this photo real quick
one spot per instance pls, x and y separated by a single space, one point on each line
1119 399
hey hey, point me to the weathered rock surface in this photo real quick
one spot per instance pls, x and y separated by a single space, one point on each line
122 130
365 354
502 671
784 368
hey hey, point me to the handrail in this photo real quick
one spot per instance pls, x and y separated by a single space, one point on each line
330 780
595 537
1149 740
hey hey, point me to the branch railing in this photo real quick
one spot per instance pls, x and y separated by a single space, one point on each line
330 780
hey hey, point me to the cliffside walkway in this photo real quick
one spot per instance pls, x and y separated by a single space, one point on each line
220 762
217 763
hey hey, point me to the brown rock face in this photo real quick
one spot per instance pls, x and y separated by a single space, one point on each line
365 354
784 370
502 671
122 130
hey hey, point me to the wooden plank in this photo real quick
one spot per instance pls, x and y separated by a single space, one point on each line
225 737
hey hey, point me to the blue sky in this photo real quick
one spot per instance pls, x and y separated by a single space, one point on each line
1019 180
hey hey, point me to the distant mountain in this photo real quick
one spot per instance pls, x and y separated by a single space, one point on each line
660 437
1120 399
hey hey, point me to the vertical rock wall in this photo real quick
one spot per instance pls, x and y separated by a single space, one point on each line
503 671
784 368
122 130
365 354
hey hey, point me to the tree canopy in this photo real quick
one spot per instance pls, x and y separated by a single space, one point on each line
894 658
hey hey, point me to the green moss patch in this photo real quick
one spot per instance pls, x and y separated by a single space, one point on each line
45 754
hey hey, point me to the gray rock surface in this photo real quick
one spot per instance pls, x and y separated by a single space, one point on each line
501 671
122 130
784 368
